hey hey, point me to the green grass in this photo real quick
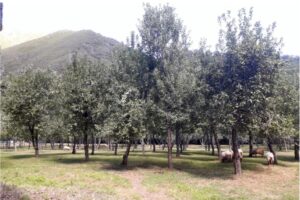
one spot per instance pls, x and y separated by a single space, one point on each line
196 175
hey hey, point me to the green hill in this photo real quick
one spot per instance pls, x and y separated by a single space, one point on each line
54 50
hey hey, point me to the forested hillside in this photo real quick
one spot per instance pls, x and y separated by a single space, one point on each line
53 51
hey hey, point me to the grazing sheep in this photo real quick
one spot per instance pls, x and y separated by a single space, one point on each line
258 151
102 146
66 148
270 158
241 154
228 155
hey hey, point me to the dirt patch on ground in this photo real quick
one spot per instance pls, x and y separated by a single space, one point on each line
10 192
136 177
15 193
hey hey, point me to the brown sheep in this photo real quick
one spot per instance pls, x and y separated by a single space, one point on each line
258 151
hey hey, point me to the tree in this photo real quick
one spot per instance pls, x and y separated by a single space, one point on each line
250 63
85 87
163 41
25 101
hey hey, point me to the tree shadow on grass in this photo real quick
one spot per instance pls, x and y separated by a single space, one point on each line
199 164
25 156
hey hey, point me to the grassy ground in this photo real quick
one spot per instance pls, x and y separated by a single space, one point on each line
197 175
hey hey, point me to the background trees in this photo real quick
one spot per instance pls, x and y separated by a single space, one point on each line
25 102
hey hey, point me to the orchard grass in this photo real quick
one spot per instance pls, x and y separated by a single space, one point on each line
197 175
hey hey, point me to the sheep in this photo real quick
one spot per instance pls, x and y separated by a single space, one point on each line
228 155
241 154
66 148
258 151
270 158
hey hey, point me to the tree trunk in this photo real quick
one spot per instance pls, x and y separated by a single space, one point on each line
250 143
36 148
211 141
99 142
116 148
109 143
52 144
126 154
86 146
296 148
93 144
143 145
216 140
74 145
177 143
153 143
272 150
170 163
285 145
236 155
15 146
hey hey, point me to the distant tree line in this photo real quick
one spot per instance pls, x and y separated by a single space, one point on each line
156 89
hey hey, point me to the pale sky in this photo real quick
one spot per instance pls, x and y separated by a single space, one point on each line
116 18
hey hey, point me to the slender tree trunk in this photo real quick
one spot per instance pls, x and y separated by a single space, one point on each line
153 142
74 145
170 163
86 145
177 142
36 148
285 145
181 146
250 143
116 148
216 140
126 154
236 156
272 150
52 144
15 146
108 143
211 141
143 145
296 148
93 144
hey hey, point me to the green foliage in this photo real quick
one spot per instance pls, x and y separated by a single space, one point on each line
26 101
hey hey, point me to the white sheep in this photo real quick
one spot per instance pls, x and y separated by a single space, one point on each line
269 157
66 148
228 155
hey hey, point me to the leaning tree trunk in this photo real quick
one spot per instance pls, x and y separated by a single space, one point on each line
86 146
93 144
216 140
170 163
236 155
296 148
272 150
74 145
126 154
250 143
177 143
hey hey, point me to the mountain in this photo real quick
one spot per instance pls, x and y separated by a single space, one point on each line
54 50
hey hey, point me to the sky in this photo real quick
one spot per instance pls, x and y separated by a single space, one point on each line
116 18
